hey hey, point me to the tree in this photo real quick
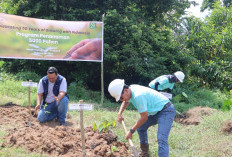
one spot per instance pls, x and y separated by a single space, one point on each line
209 43
209 4
138 43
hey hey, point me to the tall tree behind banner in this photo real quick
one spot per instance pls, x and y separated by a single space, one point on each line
137 37
30 38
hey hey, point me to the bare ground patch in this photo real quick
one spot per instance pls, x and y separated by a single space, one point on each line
54 140
227 127
195 115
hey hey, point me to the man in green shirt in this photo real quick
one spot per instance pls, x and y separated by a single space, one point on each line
153 107
167 82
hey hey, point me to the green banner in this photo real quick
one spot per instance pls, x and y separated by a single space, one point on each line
31 38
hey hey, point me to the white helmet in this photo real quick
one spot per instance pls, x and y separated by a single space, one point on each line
115 88
180 75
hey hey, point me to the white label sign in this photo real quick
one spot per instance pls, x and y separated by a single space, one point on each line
29 84
80 107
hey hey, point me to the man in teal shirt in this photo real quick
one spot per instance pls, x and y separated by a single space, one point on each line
167 82
153 107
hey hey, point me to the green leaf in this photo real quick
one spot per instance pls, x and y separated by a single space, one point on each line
101 127
114 148
184 94
94 126
113 123
105 123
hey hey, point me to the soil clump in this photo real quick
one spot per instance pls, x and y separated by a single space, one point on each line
227 127
54 140
195 115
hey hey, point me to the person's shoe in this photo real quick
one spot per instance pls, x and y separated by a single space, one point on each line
144 150
63 123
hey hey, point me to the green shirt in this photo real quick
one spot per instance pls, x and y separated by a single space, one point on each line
163 83
146 99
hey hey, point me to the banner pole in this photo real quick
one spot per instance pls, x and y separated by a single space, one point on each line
102 72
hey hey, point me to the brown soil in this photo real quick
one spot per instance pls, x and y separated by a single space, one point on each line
227 127
195 115
54 140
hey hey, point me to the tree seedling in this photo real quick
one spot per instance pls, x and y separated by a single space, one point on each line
104 126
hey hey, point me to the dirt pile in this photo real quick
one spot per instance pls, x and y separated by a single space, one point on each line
195 115
55 140
227 127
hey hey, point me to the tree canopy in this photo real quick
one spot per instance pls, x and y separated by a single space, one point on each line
142 40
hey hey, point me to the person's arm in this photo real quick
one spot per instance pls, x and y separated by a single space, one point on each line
39 95
62 92
143 118
156 85
122 108
169 90
39 100
59 96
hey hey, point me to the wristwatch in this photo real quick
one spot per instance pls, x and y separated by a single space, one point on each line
132 131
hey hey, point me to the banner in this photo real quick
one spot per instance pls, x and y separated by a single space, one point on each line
31 38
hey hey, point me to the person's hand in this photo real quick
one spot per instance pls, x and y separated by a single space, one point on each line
37 107
57 99
88 49
120 118
129 135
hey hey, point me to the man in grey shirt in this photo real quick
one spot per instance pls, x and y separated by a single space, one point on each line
52 98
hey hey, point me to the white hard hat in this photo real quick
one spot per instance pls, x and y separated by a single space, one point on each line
180 75
115 88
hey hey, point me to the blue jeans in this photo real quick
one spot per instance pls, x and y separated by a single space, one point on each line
164 119
52 110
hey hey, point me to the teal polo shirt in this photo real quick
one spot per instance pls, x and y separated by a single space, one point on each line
147 99
163 83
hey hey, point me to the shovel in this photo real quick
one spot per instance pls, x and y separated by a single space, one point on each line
131 143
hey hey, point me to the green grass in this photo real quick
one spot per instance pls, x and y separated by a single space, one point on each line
17 152
13 91
199 97
204 140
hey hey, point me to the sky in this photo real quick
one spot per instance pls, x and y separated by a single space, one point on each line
196 10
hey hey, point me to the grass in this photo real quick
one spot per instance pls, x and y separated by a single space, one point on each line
204 140
13 91
17 152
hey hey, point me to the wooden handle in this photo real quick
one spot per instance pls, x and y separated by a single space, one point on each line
130 141
124 126
82 130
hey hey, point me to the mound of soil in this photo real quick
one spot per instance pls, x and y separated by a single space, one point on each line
54 140
227 127
195 115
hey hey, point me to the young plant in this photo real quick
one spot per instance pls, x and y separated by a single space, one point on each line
104 126
113 149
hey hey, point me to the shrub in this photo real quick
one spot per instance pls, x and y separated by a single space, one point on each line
26 76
